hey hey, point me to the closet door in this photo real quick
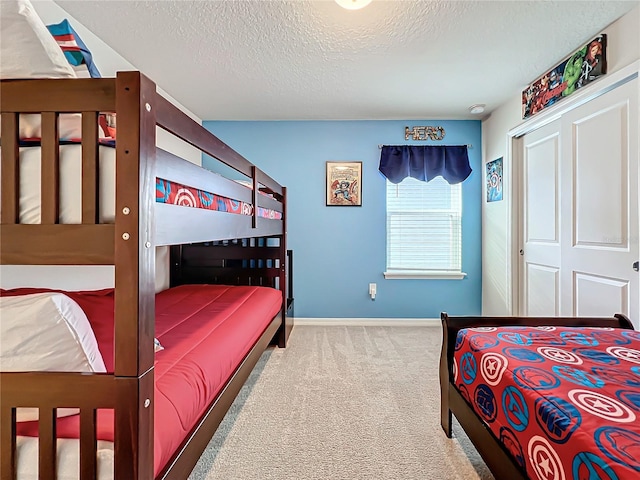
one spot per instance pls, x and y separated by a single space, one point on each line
540 239
599 228
579 230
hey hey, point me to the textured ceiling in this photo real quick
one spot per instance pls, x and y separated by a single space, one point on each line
299 60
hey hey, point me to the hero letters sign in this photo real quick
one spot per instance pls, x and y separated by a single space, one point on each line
423 133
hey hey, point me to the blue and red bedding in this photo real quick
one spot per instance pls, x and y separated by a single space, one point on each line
564 401
177 194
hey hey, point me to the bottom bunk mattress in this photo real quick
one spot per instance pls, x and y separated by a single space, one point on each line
205 331
564 401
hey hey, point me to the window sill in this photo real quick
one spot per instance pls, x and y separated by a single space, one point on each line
424 275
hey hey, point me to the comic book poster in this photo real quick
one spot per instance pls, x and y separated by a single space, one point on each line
344 184
573 73
494 180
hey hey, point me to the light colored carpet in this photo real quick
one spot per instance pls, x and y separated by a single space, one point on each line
345 403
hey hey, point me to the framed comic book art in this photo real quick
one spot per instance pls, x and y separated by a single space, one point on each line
344 184
573 73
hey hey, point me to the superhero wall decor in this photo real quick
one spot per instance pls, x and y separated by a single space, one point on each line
494 180
573 73
344 184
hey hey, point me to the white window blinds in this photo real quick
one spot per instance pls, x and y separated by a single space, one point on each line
424 227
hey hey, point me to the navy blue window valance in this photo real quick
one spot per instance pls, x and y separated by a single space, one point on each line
398 162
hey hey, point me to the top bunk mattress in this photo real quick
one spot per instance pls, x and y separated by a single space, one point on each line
70 196
206 331
564 401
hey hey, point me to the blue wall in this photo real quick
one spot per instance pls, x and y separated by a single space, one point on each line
338 251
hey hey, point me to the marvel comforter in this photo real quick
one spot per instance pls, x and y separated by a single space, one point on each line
565 402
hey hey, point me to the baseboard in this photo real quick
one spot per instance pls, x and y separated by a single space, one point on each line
366 322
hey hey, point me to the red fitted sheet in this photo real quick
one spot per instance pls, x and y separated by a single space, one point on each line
206 331
565 401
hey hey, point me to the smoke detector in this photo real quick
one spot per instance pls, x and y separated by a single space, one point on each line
477 108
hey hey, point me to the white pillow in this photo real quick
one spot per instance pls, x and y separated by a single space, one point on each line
27 48
69 126
46 332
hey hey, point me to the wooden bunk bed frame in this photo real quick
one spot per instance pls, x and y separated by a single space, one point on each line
128 244
492 451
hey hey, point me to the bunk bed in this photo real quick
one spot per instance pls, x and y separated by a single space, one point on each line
245 252
544 397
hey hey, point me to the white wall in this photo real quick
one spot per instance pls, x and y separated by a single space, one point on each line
623 48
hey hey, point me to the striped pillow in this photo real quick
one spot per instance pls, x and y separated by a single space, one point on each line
75 50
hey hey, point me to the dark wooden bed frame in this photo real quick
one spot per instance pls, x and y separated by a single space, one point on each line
494 454
128 244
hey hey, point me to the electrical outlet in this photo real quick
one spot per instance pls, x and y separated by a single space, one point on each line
372 291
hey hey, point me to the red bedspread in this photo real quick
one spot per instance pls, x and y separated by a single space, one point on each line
206 330
564 401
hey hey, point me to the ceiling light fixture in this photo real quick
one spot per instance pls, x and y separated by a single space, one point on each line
353 4
476 109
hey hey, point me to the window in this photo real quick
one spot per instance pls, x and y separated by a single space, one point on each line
424 229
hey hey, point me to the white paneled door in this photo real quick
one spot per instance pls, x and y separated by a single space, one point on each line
579 225
541 252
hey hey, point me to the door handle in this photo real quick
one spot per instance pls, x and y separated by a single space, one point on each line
522 253
636 266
